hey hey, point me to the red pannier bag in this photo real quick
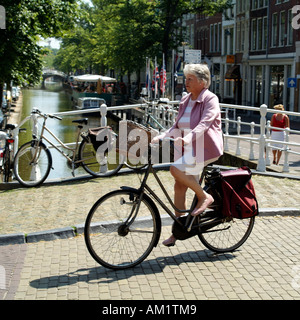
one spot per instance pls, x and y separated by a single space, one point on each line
239 199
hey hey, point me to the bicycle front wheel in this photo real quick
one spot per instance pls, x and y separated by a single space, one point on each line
7 164
32 164
95 166
115 235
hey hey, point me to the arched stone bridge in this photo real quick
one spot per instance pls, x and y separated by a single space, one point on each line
48 73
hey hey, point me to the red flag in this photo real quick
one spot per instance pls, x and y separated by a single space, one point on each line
163 77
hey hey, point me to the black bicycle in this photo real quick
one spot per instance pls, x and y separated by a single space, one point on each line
6 152
124 226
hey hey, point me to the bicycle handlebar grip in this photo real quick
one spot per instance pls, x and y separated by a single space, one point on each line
54 117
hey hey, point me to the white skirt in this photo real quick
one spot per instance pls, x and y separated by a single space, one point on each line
279 136
188 164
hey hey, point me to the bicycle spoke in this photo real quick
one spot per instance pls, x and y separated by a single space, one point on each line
110 241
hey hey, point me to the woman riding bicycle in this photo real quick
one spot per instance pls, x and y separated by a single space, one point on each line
198 131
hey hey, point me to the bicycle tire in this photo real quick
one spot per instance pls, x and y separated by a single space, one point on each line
30 175
6 164
229 234
88 160
113 244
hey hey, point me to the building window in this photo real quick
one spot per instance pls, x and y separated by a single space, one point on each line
274 29
265 33
219 36
282 33
257 85
258 4
259 34
211 38
228 41
254 34
290 32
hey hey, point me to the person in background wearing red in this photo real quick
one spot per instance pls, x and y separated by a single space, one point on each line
282 121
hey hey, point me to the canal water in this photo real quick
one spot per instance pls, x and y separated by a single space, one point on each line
54 99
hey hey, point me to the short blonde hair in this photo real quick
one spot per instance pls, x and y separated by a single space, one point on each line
201 71
279 107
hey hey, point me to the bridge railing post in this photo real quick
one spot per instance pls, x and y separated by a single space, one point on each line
103 113
261 166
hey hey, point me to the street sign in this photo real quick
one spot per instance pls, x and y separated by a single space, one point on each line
230 59
192 56
292 82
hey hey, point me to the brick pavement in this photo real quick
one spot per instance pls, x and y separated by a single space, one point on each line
266 267
66 205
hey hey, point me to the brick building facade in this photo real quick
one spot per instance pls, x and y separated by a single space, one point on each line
253 51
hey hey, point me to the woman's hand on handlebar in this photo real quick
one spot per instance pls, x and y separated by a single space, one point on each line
155 140
177 141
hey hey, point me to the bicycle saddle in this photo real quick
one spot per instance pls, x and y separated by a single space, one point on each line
81 121
10 126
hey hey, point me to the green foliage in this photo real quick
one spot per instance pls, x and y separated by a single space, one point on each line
26 22
120 34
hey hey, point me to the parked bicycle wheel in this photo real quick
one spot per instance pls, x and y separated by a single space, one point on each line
7 163
95 166
32 164
115 237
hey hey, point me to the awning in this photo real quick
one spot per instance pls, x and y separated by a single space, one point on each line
233 73
93 78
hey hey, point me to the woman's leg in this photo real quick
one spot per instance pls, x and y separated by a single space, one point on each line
189 181
179 197
279 153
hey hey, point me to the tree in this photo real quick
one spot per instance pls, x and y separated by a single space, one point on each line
122 33
26 22
169 14
76 50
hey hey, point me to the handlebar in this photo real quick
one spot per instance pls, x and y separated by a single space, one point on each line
45 115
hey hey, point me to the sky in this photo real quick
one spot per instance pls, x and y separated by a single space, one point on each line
54 43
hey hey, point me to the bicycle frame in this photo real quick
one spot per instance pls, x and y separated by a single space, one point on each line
144 186
74 151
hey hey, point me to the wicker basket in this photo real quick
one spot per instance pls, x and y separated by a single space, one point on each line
131 133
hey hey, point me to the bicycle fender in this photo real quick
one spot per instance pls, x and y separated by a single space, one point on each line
153 205
33 143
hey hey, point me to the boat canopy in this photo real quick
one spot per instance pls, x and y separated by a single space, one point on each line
93 78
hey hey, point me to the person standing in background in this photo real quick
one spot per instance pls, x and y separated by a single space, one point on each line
282 121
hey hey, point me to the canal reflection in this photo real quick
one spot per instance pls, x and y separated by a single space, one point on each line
54 99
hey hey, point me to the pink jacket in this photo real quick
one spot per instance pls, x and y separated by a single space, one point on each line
206 127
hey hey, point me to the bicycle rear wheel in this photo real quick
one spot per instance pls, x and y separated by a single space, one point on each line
226 234
32 172
94 166
115 237
7 164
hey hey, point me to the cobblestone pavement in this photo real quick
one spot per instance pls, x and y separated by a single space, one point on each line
66 205
266 267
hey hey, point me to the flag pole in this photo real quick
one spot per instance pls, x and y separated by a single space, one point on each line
155 78
164 75
172 73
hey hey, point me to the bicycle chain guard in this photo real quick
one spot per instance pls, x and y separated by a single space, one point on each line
180 232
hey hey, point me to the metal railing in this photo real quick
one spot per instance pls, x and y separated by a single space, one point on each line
164 115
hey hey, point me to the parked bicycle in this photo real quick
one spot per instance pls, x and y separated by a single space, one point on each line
33 161
6 152
124 226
